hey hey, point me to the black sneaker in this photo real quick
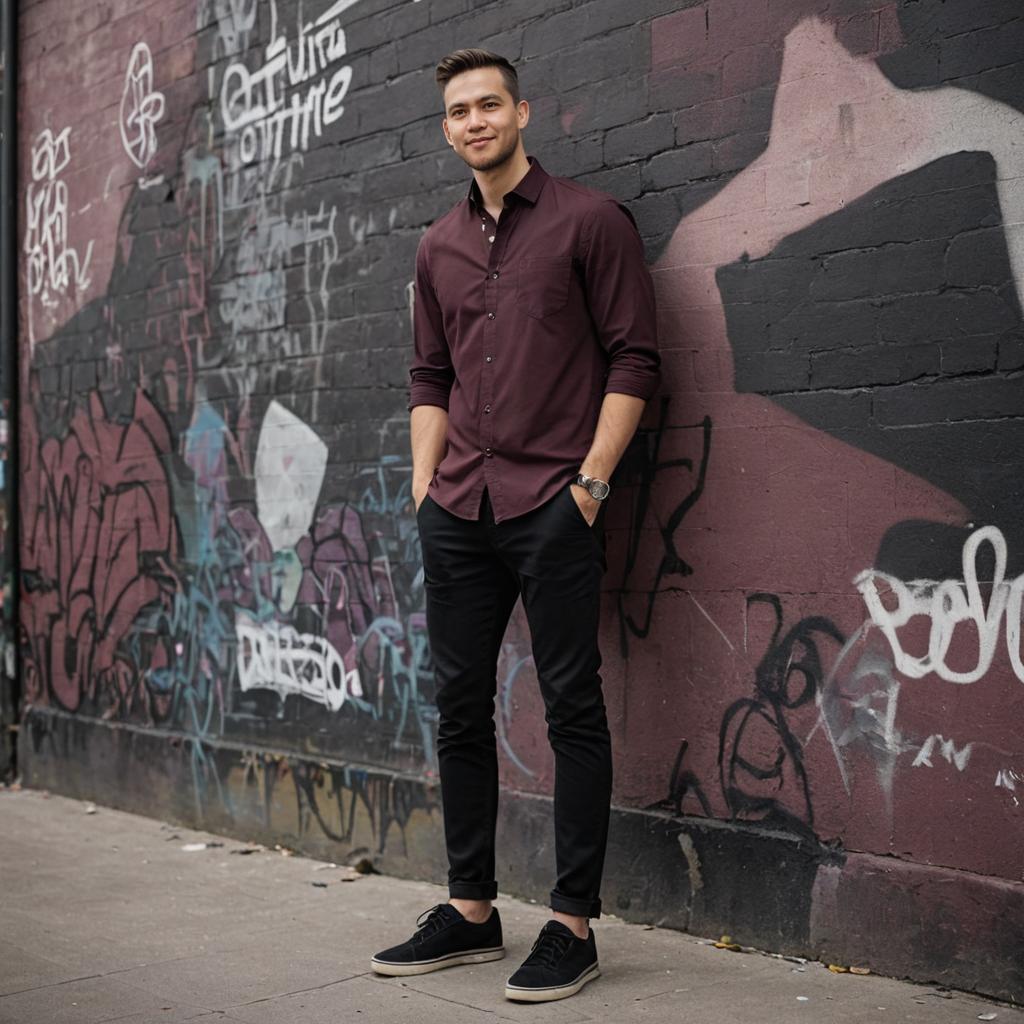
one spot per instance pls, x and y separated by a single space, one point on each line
444 938
559 965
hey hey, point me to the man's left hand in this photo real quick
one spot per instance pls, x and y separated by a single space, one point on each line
587 505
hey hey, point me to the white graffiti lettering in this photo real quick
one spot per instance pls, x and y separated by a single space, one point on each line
1007 778
946 604
295 94
275 656
141 107
947 749
51 267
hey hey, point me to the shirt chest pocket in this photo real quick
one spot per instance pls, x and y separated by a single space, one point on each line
543 285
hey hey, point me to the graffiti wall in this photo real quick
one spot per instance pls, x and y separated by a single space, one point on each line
812 624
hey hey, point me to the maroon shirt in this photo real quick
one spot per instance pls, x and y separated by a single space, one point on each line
520 328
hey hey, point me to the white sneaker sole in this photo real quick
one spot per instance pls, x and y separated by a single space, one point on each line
544 995
473 956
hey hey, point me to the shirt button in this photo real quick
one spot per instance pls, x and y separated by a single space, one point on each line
490 316
487 408
495 275
489 359
487 452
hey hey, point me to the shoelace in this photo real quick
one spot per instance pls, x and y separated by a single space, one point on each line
431 921
549 948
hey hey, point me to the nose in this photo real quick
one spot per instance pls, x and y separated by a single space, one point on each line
476 119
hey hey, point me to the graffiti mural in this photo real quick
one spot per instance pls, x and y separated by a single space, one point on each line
52 267
812 625
156 590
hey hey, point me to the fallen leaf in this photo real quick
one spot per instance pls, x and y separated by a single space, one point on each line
838 969
987 1016
90 809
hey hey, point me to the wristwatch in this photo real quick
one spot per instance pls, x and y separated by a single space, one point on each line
598 489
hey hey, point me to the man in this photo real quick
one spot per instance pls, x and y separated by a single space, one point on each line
535 353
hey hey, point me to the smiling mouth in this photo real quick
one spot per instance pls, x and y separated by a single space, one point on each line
480 142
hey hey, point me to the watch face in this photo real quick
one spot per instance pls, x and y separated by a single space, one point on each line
599 490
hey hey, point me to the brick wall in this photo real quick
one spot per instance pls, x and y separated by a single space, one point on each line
816 547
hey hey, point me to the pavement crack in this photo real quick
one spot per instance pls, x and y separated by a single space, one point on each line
55 984
295 992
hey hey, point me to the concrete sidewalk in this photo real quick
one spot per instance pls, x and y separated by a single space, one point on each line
106 916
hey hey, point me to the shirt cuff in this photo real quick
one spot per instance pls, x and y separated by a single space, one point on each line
425 393
629 382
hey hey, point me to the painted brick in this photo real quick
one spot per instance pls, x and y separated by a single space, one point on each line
441 10
976 258
972 354
736 151
1011 351
621 182
859 34
750 68
743 22
618 54
981 49
679 166
680 37
675 88
874 364
848 350
636 141
975 399
426 47
860 273
621 101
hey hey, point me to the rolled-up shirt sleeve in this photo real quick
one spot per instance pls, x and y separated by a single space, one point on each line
431 374
620 295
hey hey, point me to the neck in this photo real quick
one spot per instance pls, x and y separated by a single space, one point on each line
496 183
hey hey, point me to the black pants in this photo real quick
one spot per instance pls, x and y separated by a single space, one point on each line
474 571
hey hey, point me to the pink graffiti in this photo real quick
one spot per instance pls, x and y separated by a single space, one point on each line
99 527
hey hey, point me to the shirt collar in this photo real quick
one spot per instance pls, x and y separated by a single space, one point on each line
528 189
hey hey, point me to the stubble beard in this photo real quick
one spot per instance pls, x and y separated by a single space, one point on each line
492 163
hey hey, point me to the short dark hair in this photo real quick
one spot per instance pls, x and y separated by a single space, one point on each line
471 59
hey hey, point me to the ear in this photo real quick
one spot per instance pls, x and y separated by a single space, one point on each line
447 133
523 114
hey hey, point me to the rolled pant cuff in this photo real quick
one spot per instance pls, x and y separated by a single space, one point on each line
473 890
577 908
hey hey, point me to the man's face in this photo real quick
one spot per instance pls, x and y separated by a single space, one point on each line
482 122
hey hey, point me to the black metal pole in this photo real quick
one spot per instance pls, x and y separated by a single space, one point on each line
10 684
